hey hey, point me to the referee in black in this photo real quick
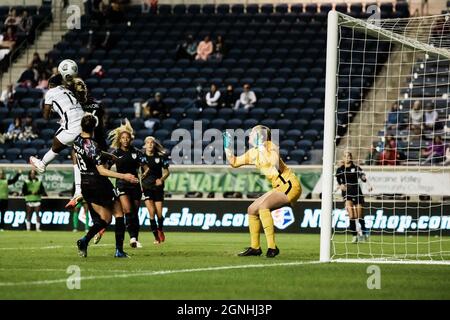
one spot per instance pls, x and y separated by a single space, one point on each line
156 165
348 176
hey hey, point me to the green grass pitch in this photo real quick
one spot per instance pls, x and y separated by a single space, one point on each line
200 266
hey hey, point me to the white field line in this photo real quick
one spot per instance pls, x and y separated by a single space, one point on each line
157 273
382 261
51 247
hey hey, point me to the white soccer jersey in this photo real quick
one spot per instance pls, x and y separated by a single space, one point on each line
66 105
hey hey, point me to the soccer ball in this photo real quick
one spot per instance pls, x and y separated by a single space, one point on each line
68 69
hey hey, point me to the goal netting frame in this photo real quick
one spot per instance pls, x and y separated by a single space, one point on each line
329 236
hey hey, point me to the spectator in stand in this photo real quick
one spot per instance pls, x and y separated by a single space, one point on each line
416 118
48 65
15 129
204 49
219 49
7 96
389 156
155 108
28 77
393 119
12 20
187 49
29 131
116 11
9 39
431 117
43 82
37 63
435 153
26 24
229 98
213 97
247 99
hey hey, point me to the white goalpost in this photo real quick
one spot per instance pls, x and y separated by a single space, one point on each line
387 102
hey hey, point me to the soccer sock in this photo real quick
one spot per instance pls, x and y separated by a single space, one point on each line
363 224
99 224
77 178
353 226
28 224
136 226
86 225
120 233
49 157
254 225
160 223
267 223
38 226
75 220
154 228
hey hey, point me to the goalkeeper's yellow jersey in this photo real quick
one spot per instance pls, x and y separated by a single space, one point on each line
266 158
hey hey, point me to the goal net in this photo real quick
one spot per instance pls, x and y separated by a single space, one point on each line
387 103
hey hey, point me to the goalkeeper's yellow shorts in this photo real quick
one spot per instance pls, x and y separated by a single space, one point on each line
290 186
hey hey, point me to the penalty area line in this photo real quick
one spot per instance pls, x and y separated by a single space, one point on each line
162 272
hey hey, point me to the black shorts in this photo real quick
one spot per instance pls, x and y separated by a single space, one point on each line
154 194
101 194
134 193
356 199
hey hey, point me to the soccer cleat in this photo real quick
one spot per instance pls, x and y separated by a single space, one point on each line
161 236
74 201
82 248
138 244
97 238
355 239
156 242
120 254
37 164
272 253
250 252
1 230
133 242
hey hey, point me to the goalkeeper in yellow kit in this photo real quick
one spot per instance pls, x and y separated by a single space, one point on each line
264 154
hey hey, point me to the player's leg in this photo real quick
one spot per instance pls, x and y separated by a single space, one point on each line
135 216
119 230
150 204
127 207
254 226
29 212
87 214
75 213
275 199
57 147
159 209
103 216
352 215
362 222
37 209
77 197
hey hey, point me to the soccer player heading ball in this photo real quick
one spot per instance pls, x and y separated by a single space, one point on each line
264 154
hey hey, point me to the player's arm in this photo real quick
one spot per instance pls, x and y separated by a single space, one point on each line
236 161
46 111
146 171
340 179
363 178
112 174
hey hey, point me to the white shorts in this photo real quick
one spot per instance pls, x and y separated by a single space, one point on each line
67 137
34 204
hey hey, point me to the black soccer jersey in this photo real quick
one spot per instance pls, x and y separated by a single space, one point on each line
95 107
349 177
128 162
88 156
155 163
